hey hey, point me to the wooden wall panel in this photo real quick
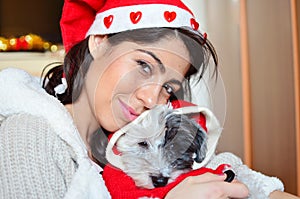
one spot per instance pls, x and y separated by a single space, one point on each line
295 14
271 60
223 31
246 84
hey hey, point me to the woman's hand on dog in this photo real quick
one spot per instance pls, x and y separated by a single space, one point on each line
209 186
282 195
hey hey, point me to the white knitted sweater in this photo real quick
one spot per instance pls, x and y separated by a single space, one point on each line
43 156
41 152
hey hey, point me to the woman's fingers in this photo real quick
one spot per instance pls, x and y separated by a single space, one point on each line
235 189
208 186
206 177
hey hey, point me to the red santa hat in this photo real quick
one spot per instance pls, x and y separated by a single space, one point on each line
81 18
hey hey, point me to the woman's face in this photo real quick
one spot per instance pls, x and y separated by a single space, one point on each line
130 78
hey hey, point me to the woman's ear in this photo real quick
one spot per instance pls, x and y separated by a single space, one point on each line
95 41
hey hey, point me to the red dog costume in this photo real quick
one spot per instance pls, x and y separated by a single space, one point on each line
121 186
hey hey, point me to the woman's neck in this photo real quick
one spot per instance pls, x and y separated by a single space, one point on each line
84 118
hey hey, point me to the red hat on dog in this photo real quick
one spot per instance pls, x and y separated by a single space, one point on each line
81 18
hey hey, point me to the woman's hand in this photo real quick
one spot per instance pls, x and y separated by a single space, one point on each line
282 195
208 186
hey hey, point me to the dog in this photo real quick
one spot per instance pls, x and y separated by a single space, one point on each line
161 147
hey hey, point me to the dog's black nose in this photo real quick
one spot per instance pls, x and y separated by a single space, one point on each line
159 181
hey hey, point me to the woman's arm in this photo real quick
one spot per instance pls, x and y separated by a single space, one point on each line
259 185
282 195
34 162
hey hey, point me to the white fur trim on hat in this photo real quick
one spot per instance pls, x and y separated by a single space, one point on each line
141 16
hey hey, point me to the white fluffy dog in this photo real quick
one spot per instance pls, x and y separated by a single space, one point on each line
160 147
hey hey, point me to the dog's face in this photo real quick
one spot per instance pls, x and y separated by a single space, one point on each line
155 161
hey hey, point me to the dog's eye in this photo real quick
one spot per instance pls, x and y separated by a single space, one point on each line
143 144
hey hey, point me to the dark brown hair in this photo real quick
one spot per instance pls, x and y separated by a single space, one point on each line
78 59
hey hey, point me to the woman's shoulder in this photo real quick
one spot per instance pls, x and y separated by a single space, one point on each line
31 131
24 125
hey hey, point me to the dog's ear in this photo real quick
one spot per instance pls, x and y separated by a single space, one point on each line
197 116
200 142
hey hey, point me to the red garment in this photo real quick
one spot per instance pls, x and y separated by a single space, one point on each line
121 186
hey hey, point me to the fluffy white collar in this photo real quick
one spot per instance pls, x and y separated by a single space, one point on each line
22 93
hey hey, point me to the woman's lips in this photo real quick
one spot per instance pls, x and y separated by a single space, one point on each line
128 112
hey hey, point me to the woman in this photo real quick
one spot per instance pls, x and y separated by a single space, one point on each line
119 64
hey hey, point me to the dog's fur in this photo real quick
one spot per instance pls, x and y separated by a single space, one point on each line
154 161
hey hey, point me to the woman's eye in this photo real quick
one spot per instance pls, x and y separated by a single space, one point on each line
169 89
145 67
143 144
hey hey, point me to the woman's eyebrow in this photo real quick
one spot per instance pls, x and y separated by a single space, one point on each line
160 64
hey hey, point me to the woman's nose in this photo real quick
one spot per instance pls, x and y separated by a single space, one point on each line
149 95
